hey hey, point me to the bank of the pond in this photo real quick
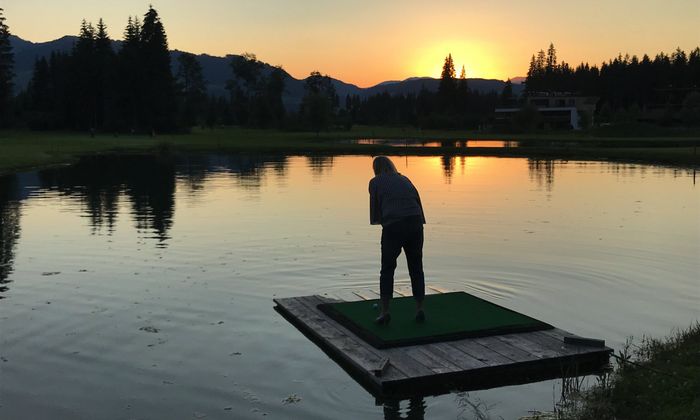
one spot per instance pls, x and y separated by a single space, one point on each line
27 149
654 379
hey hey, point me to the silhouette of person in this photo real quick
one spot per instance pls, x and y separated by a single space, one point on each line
395 204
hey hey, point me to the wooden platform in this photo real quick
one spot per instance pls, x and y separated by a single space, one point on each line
431 369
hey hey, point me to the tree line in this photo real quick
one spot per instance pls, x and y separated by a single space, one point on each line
131 86
668 84
94 87
453 105
6 72
133 89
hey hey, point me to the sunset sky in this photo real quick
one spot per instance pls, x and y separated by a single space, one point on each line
367 42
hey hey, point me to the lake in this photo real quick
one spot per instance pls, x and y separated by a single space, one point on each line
140 287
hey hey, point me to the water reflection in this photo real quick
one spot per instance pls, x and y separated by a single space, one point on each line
541 171
449 163
320 164
9 227
414 411
147 182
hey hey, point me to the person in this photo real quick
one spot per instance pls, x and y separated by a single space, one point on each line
395 204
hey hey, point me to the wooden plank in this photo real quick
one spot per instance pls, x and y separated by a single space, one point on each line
374 293
479 352
363 358
459 359
559 336
401 291
434 364
521 341
363 295
585 342
505 349
552 343
439 289
342 294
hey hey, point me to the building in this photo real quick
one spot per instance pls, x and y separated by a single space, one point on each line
556 109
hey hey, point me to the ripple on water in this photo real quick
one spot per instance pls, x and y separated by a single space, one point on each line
164 310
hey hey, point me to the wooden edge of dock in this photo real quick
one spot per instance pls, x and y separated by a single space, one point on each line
438 368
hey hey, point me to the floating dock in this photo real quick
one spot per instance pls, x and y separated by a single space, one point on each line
437 368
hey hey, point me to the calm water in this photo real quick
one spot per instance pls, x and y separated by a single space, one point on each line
141 288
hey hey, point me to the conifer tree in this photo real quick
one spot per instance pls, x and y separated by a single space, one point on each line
6 71
84 102
551 62
462 85
507 94
462 99
447 86
104 77
192 88
447 77
158 89
129 78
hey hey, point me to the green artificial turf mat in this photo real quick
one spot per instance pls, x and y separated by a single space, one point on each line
449 316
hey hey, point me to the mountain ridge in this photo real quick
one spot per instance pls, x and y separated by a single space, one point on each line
217 72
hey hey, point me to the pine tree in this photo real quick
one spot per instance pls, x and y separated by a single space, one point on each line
447 86
104 77
507 94
158 89
551 62
463 85
462 91
447 77
82 85
129 78
6 71
531 82
540 62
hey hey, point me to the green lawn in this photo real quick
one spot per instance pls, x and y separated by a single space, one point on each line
27 149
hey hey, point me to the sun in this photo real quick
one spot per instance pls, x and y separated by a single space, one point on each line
478 59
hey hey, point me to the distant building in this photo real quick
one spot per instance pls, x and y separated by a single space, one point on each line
557 109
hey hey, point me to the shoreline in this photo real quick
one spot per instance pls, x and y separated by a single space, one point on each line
28 150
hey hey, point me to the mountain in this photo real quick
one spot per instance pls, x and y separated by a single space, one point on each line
217 71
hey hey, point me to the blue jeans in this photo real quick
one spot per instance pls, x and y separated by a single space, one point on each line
406 233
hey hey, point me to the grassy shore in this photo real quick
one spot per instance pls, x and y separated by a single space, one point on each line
27 149
654 379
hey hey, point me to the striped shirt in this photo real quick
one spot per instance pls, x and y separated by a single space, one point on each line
392 197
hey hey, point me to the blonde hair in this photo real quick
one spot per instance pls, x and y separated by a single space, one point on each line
383 165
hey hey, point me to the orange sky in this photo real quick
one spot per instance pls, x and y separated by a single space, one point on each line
367 42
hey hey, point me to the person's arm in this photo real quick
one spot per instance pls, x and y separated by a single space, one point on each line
422 213
375 208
